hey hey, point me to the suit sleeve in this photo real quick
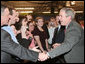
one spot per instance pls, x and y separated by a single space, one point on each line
72 37
10 47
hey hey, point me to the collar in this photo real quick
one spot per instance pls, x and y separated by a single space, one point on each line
4 25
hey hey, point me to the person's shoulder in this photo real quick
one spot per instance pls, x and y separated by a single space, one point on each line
76 24
4 33
2 30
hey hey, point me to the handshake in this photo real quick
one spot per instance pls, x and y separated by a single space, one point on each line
43 56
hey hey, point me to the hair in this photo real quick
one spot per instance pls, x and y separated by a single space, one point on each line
21 19
31 16
29 23
3 8
19 24
37 18
52 18
69 12
11 11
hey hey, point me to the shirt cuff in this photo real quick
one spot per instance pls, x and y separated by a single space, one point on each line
48 54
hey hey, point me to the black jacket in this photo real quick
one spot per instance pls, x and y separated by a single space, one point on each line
58 35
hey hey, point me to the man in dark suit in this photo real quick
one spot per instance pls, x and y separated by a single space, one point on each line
73 45
9 47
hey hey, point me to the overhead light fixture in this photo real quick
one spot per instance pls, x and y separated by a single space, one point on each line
46 12
72 2
55 12
68 3
78 11
25 11
24 8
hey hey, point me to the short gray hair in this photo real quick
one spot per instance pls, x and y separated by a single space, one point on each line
69 12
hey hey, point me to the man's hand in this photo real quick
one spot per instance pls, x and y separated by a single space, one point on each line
56 44
42 57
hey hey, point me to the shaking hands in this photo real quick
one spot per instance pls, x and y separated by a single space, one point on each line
43 57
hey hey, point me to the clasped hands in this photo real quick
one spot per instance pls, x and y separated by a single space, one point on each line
43 57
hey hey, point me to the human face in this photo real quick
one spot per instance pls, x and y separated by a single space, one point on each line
63 19
31 27
29 18
14 18
40 22
5 17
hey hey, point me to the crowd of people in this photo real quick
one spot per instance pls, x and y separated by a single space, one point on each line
24 39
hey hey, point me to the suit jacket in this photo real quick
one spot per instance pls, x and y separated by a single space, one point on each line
73 45
8 48
58 35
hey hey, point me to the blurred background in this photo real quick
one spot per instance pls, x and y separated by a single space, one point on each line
46 9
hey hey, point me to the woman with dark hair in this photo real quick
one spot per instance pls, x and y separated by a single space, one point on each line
29 34
21 27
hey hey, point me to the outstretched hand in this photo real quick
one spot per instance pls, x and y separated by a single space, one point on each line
35 49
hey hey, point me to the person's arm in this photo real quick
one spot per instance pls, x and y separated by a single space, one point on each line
47 45
23 32
10 47
72 37
39 43
23 38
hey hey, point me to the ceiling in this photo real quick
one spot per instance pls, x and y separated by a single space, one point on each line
44 6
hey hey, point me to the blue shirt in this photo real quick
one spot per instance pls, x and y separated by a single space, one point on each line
10 31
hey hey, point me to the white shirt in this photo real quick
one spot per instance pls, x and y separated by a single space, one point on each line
51 33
